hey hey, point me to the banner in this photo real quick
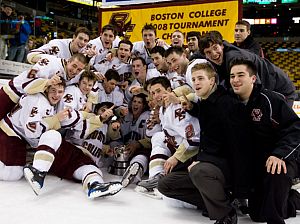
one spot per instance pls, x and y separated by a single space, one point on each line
202 17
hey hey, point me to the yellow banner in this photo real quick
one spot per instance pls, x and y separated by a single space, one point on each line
220 16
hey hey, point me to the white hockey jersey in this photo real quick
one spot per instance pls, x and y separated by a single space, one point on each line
35 80
60 48
88 134
140 50
101 51
134 130
124 69
175 79
73 98
179 127
30 118
151 73
115 97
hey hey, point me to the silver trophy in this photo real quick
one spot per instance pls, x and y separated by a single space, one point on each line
120 162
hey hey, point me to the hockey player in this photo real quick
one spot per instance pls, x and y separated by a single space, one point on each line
33 120
104 44
137 145
142 48
91 135
177 39
178 62
192 39
107 88
120 63
175 139
45 72
62 48
60 157
141 74
76 95
159 60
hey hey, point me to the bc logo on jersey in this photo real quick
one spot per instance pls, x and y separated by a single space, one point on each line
180 114
189 131
54 50
33 112
43 62
68 98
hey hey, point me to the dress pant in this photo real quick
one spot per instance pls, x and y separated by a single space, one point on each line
272 199
211 183
178 185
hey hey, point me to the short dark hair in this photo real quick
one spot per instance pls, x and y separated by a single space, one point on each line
164 81
139 58
244 23
178 50
251 67
82 29
149 27
128 42
158 49
211 37
62 83
110 27
102 104
112 74
144 99
193 34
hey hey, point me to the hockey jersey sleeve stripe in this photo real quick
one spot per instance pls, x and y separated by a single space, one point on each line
44 128
83 129
192 143
36 85
74 122
13 88
7 127
11 94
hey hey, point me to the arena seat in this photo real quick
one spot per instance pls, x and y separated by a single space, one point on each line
288 60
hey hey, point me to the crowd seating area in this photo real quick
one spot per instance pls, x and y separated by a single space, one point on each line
285 55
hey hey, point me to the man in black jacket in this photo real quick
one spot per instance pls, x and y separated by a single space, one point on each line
274 130
243 38
221 53
209 178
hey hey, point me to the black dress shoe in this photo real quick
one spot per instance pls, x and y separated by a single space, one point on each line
205 212
231 218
